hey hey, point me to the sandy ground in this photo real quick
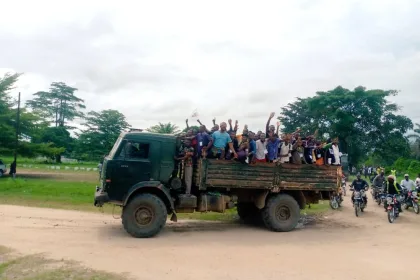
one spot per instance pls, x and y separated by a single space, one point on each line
340 246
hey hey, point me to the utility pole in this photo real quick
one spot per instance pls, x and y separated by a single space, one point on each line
17 127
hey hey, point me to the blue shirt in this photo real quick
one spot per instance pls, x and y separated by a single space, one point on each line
221 139
272 149
203 140
252 146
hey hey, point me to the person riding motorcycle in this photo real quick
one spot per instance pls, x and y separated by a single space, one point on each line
378 183
358 185
392 188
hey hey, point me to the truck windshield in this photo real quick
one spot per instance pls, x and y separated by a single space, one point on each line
115 148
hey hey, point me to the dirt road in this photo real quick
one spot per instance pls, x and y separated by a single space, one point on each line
340 246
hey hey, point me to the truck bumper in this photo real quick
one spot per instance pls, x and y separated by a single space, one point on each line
101 197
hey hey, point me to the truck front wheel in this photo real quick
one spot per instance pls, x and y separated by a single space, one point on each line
281 213
144 216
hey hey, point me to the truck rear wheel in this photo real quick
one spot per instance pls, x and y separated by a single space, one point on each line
144 216
248 212
281 213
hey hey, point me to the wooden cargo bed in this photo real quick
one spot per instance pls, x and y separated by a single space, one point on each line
231 174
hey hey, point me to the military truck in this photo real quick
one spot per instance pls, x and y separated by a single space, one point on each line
147 186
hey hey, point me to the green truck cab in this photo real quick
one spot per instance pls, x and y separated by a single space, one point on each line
141 175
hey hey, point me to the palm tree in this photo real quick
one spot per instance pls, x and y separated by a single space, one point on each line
164 128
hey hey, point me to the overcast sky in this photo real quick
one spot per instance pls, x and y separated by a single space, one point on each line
159 60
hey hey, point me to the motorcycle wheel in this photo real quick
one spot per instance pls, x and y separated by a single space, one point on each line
379 201
416 208
405 206
344 191
391 215
357 210
334 203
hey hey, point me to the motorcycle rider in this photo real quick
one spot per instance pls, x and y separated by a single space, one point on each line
358 185
392 188
408 185
378 183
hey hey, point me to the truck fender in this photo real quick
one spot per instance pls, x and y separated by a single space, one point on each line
153 187
259 200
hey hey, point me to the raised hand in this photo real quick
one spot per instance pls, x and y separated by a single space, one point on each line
272 115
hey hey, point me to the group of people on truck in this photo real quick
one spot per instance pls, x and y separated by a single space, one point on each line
222 142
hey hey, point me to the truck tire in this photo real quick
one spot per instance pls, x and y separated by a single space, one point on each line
281 213
144 216
248 212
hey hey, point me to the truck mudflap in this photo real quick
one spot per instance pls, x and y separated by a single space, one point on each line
101 197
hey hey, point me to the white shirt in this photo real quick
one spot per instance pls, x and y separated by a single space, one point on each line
261 149
409 185
285 150
336 153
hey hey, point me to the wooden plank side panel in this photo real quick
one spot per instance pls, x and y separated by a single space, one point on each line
308 177
230 174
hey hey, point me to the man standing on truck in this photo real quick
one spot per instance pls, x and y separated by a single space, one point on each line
272 147
261 149
187 165
220 139
285 150
204 141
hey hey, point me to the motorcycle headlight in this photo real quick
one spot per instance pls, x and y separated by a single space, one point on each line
356 194
414 193
389 199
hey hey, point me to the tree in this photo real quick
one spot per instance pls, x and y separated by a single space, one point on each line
30 124
59 104
58 139
164 128
363 120
103 129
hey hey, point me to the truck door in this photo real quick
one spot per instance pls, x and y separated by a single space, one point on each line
133 166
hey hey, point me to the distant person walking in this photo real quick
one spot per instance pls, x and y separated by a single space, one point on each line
12 171
100 169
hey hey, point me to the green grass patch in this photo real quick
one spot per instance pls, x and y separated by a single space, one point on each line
42 163
47 193
35 267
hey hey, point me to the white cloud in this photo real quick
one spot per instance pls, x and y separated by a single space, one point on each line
160 60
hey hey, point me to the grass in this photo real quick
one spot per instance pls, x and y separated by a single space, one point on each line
40 163
35 267
49 193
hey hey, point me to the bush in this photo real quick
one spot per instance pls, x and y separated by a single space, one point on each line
414 167
402 164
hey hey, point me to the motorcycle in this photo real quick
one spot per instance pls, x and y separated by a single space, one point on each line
411 201
335 200
378 194
392 208
359 203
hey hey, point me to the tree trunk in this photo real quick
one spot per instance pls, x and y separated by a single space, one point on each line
58 158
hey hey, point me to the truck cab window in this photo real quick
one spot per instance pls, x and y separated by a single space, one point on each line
136 150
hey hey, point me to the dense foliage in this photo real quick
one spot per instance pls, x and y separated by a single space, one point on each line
44 129
365 122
